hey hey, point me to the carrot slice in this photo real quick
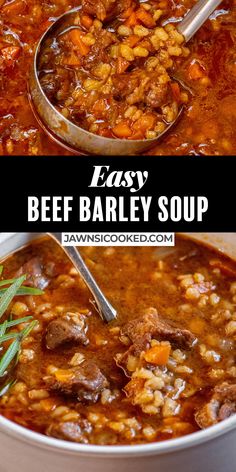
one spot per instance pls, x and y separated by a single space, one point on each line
86 21
145 123
132 40
122 130
145 18
175 91
76 36
195 71
158 354
71 60
127 13
63 375
132 20
121 65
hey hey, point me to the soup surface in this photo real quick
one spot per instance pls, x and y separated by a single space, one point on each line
165 368
209 71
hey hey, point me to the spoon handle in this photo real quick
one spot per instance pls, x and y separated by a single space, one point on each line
196 17
104 308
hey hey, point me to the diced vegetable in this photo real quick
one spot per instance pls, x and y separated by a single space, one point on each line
121 65
146 122
72 60
176 91
63 375
158 354
131 20
122 130
132 40
86 21
145 18
196 71
75 35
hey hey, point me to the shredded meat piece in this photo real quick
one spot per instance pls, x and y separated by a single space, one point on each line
141 86
64 330
105 9
221 406
99 50
35 272
70 431
140 331
84 382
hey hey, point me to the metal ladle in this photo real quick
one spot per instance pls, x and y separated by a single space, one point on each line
68 133
104 308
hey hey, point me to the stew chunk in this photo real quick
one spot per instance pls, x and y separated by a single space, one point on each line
84 382
141 331
221 406
69 431
36 273
66 330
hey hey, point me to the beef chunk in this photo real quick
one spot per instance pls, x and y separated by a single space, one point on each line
140 331
141 86
84 382
105 9
70 431
125 84
157 94
66 330
221 406
100 50
35 272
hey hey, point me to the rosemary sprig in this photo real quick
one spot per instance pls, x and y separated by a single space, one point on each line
3 328
10 293
14 347
15 322
24 291
14 287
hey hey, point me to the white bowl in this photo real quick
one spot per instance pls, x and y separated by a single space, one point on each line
211 450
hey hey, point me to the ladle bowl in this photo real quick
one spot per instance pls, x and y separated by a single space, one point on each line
68 133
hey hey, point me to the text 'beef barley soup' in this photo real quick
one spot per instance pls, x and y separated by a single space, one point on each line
165 368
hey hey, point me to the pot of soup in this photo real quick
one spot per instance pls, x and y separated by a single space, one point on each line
155 389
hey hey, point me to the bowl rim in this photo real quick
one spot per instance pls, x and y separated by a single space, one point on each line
156 448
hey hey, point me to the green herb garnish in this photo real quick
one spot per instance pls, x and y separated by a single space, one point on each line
22 290
10 293
14 347
14 288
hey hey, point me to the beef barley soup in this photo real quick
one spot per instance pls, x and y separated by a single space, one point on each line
165 368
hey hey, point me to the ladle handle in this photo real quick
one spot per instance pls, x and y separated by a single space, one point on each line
105 309
196 17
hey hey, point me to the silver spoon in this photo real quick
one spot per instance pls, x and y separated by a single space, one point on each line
68 133
104 308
